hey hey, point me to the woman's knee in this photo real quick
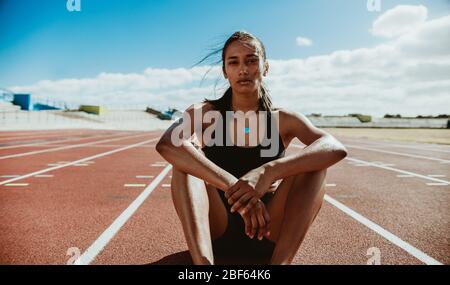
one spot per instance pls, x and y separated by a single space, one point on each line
313 181
188 184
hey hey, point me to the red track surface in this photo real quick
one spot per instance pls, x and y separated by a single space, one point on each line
42 217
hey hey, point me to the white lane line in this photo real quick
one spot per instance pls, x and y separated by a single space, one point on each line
363 162
55 143
382 163
436 175
399 153
68 146
134 185
77 161
144 176
166 185
330 185
81 164
91 253
384 233
9 176
33 136
437 184
100 146
17 184
405 175
400 171
423 148
19 134
54 164
157 165
44 176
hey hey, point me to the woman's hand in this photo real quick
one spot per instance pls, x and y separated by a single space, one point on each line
257 221
246 192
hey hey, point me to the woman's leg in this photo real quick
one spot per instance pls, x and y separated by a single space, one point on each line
293 208
201 212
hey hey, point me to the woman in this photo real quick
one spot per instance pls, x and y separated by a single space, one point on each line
231 200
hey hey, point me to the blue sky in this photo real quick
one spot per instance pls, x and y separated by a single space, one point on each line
42 40
141 52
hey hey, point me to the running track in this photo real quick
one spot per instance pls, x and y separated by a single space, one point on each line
103 197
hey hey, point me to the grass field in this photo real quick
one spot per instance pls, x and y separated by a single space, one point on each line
438 136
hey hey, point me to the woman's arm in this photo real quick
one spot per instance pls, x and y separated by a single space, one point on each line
188 159
322 150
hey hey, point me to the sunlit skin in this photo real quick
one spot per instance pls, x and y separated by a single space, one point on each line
297 180
243 61
244 67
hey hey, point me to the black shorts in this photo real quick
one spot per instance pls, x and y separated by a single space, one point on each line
236 245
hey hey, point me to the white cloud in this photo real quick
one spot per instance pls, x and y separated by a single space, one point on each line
303 42
408 74
399 20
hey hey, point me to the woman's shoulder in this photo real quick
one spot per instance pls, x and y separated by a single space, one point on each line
286 114
288 122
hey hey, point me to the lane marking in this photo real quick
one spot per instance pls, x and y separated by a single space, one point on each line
165 185
157 165
399 153
9 176
436 184
98 146
68 147
44 176
144 176
19 134
363 162
384 233
17 184
330 185
423 148
91 253
436 175
77 161
382 163
32 136
400 171
54 143
404 175
134 185
81 164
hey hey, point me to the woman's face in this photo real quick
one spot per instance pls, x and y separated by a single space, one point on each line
243 66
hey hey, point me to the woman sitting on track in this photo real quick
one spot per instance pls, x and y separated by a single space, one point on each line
235 200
